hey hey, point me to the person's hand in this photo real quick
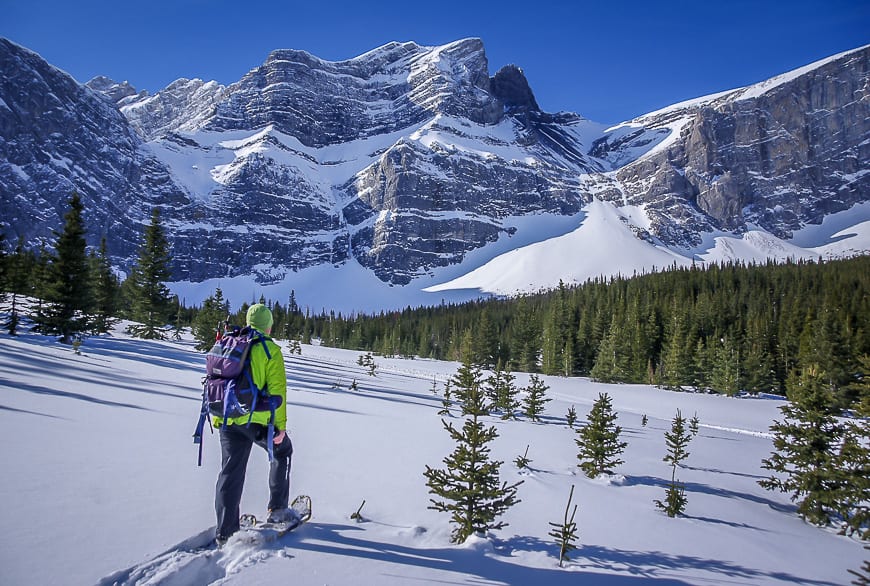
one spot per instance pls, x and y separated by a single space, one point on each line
279 437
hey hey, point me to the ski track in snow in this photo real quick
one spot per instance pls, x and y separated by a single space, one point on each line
197 561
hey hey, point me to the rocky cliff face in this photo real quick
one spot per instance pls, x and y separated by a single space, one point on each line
56 137
777 155
407 158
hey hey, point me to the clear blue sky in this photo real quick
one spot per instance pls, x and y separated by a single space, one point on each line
608 60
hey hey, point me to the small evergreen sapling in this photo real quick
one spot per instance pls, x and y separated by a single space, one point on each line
599 441
536 398
446 400
565 533
368 361
523 461
501 390
677 440
694 424
571 416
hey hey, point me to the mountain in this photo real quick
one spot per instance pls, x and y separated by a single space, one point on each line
415 164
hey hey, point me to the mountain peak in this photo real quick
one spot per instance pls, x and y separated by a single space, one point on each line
510 85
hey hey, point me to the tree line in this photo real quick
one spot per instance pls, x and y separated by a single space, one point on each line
723 328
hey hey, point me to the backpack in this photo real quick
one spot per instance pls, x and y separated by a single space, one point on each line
228 389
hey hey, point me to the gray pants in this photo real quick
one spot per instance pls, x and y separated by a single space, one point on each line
236 444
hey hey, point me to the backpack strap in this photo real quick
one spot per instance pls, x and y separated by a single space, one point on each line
200 426
270 428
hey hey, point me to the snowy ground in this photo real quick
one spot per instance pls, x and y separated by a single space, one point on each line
100 482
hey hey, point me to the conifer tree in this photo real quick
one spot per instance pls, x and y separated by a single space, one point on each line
469 487
535 398
468 388
598 440
525 342
485 342
565 533
805 442
502 392
209 320
677 441
16 283
150 297
612 362
724 378
860 387
67 291
851 482
677 357
106 289
702 366
694 424
571 416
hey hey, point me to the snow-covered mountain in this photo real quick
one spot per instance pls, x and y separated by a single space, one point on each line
414 165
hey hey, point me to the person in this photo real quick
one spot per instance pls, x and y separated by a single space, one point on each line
238 436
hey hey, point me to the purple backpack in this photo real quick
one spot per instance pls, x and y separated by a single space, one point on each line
228 389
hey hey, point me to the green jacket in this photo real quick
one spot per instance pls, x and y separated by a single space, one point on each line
267 373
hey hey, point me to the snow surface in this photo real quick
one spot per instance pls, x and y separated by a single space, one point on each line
101 484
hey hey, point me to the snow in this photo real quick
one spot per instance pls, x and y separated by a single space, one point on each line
101 483
601 245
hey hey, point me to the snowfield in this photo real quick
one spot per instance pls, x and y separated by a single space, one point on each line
100 481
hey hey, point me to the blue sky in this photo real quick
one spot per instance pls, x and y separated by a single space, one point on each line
608 60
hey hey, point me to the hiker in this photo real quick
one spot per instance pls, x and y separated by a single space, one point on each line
239 434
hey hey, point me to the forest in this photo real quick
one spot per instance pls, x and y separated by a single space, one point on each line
722 328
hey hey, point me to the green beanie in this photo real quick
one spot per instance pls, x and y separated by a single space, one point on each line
259 317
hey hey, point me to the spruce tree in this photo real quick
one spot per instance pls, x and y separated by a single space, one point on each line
724 378
209 320
694 424
677 355
17 272
469 487
677 441
525 342
535 398
150 297
598 440
67 290
805 444
851 480
106 290
571 416
468 383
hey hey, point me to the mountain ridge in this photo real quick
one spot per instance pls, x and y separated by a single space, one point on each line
408 159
